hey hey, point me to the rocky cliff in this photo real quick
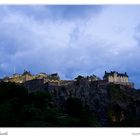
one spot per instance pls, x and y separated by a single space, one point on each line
81 102
112 105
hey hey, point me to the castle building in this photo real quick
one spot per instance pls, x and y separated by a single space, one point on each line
54 79
27 76
118 78
115 77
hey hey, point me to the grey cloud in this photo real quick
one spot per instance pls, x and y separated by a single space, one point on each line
53 12
68 47
69 12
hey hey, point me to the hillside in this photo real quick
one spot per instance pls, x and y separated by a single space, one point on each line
79 104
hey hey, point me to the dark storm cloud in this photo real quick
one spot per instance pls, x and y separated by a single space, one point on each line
70 40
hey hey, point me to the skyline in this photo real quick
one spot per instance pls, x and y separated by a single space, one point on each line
70 40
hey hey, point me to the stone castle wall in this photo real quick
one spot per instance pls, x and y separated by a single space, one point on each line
35 81
117 79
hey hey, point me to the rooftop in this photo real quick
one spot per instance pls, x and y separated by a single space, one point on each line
114 72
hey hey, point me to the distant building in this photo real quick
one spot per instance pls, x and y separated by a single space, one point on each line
54 76
114 76
93 78
118 78
54 79
27 76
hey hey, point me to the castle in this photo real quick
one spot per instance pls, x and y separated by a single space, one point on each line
118 78
27 76
35 82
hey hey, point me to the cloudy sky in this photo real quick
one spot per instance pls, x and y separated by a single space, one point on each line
70 40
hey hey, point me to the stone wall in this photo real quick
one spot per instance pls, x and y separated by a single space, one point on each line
117 79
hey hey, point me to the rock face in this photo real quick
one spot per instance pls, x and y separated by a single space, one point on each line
92 95
111 104
85 101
